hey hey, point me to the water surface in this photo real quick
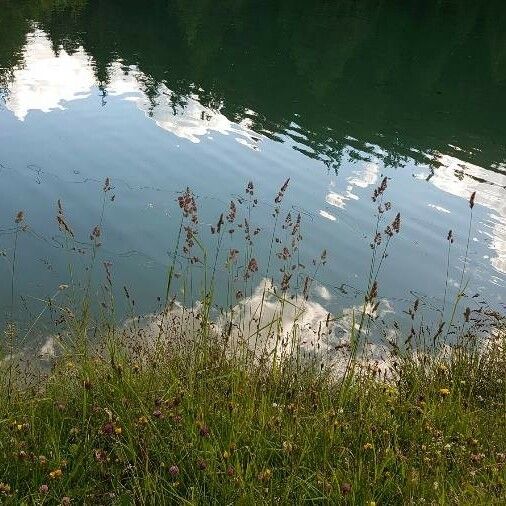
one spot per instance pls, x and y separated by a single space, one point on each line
211 95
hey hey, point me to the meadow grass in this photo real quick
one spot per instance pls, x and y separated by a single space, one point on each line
204 428
200 413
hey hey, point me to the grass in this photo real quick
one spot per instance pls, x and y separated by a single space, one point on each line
203 428
185 410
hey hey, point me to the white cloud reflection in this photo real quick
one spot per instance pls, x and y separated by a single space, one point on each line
366 176
462 179
265 325
45 81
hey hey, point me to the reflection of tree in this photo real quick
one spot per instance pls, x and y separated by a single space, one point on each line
416 74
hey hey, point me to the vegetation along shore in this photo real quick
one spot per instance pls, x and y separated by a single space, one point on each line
259 398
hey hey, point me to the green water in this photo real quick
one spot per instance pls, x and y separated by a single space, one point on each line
162 95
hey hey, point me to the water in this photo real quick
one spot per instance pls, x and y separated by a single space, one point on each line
211 95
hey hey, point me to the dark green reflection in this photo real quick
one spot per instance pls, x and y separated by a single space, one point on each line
405 75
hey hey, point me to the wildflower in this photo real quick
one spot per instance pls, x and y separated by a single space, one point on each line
265 475
5 488
226 455
142 420
157 413
204 431
65 501
56 473
444 392
368 446
345 488
201 464
108 429
117 430
101 456
44 489
442 368
230 471
42 460
173 470
287 447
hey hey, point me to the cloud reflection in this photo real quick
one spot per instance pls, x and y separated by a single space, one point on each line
265 324
45 81
366 176
462 179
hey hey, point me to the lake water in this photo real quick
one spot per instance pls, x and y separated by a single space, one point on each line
163 95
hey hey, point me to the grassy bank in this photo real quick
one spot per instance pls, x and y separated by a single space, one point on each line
262 400
201 427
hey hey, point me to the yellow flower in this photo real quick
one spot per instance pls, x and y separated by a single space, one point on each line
265 475
117 430
287 447
444 391
226 455
368 446
143 420
57 473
